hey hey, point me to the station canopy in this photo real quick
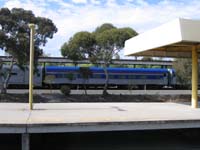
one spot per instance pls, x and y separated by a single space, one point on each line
173 39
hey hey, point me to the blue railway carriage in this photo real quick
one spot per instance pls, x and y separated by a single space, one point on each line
118 77
20 78
56 76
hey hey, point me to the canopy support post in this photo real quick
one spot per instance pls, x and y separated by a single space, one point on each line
31 65
194 77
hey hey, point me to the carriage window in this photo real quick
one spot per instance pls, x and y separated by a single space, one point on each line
111 76
155 77
122 77
132 76
13 73
59 76
97 76
143 77
116 76
103 76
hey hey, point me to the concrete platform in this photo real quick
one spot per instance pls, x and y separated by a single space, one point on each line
86 117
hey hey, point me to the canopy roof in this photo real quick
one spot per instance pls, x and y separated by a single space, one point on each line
173 39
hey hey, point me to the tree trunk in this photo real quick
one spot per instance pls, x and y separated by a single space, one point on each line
6 80
1 81
3 89
84 86
106 82
85 89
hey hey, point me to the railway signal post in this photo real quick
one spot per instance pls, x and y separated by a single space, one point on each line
31 64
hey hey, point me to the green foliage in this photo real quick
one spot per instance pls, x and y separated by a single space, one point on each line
104 27
15 33
83 40
183 68
69 52
78 46
107 38
65 89
119 36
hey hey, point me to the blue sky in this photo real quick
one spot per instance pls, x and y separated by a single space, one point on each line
71 16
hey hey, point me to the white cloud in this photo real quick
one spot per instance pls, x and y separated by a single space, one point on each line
95 2
138 14
61 3
111 3
38 7
80 1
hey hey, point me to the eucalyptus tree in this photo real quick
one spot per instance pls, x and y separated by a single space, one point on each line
109 43
15 36
101 45
183 70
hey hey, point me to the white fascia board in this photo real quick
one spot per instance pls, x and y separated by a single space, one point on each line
164 35
190 30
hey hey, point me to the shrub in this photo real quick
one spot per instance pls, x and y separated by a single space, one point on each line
65 89
183 70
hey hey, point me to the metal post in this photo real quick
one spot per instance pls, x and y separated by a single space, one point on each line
32 27
194 77
25 141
